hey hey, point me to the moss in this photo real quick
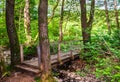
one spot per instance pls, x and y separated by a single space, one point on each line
47 78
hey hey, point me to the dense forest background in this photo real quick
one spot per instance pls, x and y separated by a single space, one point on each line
65 24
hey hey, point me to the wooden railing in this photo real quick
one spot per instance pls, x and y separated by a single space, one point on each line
66 46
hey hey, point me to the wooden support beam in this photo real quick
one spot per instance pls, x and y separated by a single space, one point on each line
21 53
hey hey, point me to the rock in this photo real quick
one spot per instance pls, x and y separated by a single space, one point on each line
78 78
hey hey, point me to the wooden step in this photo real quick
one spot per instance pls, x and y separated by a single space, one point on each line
28 68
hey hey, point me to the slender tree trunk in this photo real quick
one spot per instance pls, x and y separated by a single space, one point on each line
86 26
116 14
67 19
45 65
12 33
90 21
27 21
53 11
60 30
107 17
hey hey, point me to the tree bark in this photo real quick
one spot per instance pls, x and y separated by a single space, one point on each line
27 21
116 14
86 26
107 17
60 30
12 33
89 23
45 65
83 20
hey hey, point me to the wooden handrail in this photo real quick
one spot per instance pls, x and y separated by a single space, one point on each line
65 42
71 53
38 50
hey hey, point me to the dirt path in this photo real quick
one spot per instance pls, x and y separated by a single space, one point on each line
18 77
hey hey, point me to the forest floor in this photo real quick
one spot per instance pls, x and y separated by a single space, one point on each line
72 71
75 71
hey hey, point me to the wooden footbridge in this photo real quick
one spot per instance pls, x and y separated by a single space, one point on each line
32 65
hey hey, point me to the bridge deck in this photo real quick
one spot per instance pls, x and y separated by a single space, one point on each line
34 61
32 65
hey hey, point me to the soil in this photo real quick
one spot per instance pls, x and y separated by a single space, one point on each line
18 77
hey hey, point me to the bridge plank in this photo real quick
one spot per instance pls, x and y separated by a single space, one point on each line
27 68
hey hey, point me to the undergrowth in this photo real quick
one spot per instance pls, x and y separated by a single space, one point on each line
104 54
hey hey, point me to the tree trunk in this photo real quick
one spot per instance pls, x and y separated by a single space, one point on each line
45 65
12 33
83 21
107 17
86 26
89 23
27 21
60 30
116 14
53 11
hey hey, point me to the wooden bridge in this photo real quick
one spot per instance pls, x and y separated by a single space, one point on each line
32 65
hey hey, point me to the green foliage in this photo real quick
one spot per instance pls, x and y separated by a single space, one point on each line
37 79
30 50
54 48
103 51
100 50
107 69
81 73
53 28
3 37
116 39
4 71
55 74
93 50
33 9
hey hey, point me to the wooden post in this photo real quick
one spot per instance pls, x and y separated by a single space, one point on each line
39 55
58 56
71 54
21 53
59 53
